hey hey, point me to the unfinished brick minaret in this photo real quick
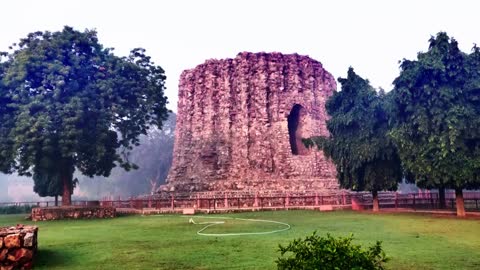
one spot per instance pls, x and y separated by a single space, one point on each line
240 122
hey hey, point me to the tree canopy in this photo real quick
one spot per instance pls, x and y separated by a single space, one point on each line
67 103
436 116
365 157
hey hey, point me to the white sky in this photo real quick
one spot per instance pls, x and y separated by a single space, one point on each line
372 36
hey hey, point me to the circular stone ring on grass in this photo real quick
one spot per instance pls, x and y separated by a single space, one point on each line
215 223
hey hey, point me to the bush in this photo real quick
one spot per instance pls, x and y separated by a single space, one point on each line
15 209
316 252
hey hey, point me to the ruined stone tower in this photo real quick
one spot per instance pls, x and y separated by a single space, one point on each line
240 122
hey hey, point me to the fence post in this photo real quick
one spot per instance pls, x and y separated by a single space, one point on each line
255 202
413 201
316 198
238 202
287 200
396 200
344 198
172 202
226 201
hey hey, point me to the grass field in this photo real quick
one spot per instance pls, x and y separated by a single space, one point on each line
170 242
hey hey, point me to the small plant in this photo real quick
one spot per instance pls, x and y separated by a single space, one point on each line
316 252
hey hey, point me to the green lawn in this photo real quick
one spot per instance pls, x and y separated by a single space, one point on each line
170 242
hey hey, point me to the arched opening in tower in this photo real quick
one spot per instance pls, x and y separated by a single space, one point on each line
295 123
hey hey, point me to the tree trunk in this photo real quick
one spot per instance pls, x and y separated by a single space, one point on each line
441 198
67 196
460 202
56 200
376 206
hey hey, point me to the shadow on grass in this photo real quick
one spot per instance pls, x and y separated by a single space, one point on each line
49 258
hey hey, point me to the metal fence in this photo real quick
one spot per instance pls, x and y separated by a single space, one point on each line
214 201
47 203
421 200
245 201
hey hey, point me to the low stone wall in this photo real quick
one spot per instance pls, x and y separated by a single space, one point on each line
18 245
72 212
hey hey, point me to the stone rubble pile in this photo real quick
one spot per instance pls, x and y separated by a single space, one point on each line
72 212
18 246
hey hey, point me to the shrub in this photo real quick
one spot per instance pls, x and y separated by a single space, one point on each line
15 209
316 252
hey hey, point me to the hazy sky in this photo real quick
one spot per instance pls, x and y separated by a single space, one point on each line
371 36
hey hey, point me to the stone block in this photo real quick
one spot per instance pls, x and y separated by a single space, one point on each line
12 241
28 240
326 208
3 254
189 211
23 255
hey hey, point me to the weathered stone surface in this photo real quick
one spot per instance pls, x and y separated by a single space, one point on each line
3 254
23 255
189 211
326 208
27 265
240 122
12 241
15 254
73 212
28 240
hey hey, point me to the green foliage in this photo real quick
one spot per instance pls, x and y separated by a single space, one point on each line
68 103
15 209
364 155
316 252
436 115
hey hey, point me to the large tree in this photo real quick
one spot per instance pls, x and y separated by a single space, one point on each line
68 103
436 117
365 157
